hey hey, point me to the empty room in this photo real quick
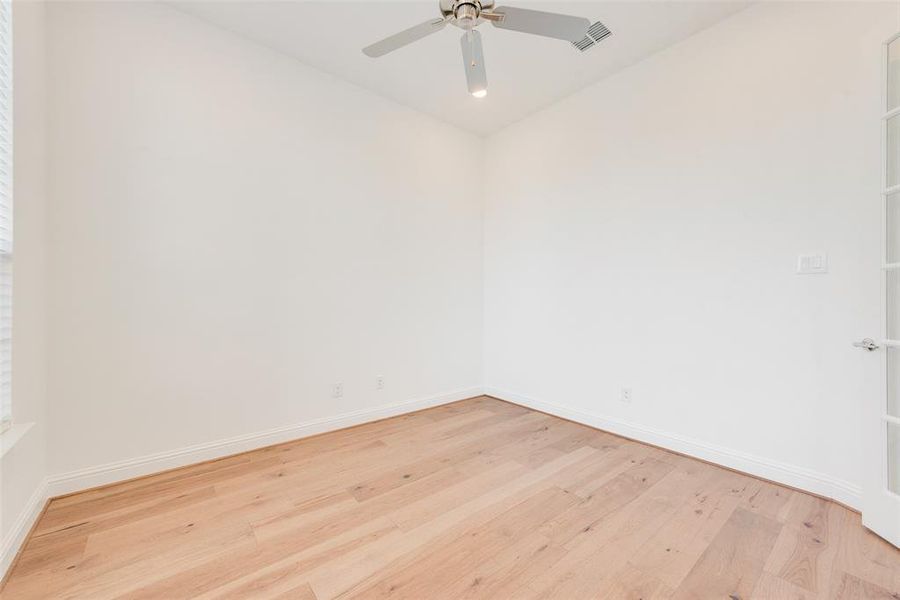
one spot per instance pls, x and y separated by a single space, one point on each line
449 299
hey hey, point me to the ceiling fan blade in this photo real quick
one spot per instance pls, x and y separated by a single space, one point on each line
408 36
473 59
537 22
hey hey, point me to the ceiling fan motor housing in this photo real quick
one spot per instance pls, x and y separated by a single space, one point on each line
465 12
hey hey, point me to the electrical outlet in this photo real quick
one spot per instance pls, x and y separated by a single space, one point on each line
337 390
812 264
625 395
379 382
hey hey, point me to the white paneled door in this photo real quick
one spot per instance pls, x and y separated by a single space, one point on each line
881 500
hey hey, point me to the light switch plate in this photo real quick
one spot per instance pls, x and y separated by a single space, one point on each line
812 264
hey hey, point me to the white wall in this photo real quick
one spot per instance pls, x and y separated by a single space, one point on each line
644 233
231 232
23 467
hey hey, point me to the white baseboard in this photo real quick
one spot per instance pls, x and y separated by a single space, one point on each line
82 479
804 479
19 531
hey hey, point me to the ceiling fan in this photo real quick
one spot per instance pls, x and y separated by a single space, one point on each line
469 14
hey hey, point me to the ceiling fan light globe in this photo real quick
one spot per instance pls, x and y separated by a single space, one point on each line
480 93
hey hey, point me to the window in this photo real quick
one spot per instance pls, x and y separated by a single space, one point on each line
6 221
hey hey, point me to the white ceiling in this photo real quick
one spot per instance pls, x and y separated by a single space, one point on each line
525 72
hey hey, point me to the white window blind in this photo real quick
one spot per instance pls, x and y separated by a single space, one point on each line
6 220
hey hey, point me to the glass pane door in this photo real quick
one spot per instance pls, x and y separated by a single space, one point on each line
891 198
881 497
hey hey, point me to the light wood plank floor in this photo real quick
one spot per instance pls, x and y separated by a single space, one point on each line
477 499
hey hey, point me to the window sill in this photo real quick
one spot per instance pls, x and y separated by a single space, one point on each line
11 436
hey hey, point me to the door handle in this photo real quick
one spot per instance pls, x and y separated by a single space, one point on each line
866 344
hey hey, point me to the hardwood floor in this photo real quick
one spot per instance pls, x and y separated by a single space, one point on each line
477 499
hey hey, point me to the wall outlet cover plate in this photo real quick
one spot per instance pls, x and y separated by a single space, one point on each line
812 264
